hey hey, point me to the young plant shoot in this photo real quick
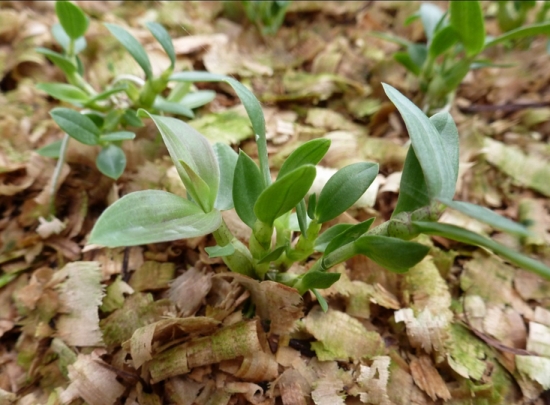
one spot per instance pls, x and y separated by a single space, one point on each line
217 178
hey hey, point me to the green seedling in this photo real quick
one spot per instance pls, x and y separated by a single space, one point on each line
285 218
513 14
455 41
267 16
105 118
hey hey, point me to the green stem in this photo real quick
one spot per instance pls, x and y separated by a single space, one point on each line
57 172
241 260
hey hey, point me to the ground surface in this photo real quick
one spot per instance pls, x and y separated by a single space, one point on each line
164 323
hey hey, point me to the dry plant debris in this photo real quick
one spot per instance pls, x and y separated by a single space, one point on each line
164 323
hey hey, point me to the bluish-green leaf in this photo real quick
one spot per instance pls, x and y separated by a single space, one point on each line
443 39
72 19
58 60
309 153
521 32
111 161
197 187
247 187
466 17
488 216
198 98
184 143
173 108
65 41
152 216
131 118
391 253
428 146
413 190
76 125
284 194
227 160
324 239
164 39
220 251
133 47
64 92
431 16
462 235
418 54
51 150
251 104
117 136
445 125
343 189
349 235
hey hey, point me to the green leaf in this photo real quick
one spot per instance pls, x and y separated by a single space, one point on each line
466 17
343 189
418 54
431 16
445 125
320 299
462 235
173 108
72 19
301 215
58 60
198 98
312 205
391 253
133 47
227 160
284 194
522 32
51 150
413 190
220 251
185 144
152 216
309 153
64 92
65 41
405 59
251 104
107 93
197 187
131 118
273 255
117 136
76 125
349 235
488 216
247 187
315 279
163 37
428 146
324 239
443 39
111 161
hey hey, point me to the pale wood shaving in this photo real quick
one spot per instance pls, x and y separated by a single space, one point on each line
428 379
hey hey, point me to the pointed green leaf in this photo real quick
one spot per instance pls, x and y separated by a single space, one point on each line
324 239
64 92
197 187
198 98
108 93
273 255
164 39
349 235
521 32
111 161
445 125
76 125
58 60
152 216
72 18
444 39
251 104
284 194
431 16
320 299
315 279
133 47
428 146
247 187
301 215
309 153
391 253
404 58
184 143
173 108
51 150
65 41
488 216
462 235
117 136
131 118
343 189
466 17
227 160
220 251
413 190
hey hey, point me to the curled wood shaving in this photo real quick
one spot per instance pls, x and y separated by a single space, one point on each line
428 379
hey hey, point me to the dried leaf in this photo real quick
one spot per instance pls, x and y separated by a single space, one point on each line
535 368
152 276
